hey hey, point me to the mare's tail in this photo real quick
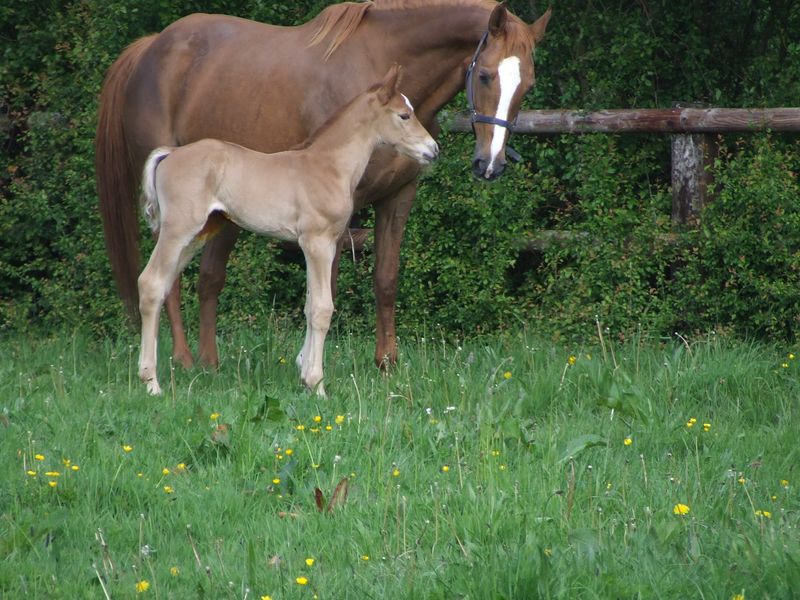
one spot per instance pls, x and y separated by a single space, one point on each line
117 177
151 207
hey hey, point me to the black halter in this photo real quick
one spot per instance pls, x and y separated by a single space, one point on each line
475 116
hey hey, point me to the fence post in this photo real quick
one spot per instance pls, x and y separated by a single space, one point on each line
692 156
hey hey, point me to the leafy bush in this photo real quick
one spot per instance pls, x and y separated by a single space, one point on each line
473 259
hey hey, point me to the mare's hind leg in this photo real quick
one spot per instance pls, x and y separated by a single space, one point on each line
319 253
180 346
168 259
211 280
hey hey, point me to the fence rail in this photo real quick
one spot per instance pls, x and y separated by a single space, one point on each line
692 144
646 120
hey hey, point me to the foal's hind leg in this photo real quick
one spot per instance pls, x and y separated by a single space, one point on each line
168 259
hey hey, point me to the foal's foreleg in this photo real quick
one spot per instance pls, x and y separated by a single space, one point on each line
319 253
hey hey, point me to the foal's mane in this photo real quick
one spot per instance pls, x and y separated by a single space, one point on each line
339 21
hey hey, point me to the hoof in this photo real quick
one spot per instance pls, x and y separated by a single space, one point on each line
184 359
153 388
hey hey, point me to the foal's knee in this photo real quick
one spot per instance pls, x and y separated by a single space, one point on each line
320 316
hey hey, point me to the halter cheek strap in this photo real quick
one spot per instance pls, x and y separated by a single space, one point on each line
474 115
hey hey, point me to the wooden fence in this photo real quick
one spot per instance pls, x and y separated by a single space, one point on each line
692 131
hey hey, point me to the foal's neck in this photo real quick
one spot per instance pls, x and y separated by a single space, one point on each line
347 141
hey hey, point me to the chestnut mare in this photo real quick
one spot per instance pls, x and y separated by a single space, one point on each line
304 196
268 88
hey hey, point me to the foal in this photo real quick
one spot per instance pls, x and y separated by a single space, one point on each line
303 195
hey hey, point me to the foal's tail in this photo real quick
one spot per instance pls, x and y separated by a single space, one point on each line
151 207
118 177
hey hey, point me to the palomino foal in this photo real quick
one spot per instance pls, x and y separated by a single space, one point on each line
303 195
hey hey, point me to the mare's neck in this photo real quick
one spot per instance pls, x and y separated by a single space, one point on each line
434 44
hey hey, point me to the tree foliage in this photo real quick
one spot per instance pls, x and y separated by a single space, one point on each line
464 265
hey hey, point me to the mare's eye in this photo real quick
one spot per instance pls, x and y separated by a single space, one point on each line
405 116
484 78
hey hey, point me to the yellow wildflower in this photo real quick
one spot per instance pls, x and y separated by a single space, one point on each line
365 557
142 586
165 471
174 571
301 428
53 474
572 360
396 472
339 419
276 480
38 456
445 468
627 441
764 513
301 580
317 419
681 509
214 416
310 562
706 426
31 473
168 489
507 375
52 483
127 448
785 483
289 452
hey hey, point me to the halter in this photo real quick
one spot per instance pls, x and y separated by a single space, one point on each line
475 116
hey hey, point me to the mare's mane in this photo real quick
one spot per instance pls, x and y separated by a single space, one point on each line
339 21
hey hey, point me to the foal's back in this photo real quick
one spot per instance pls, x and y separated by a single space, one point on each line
276 195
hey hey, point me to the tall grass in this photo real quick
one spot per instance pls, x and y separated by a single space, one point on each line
489 468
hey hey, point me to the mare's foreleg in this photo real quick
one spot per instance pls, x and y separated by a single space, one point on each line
391 215
169 258
319 253
212 275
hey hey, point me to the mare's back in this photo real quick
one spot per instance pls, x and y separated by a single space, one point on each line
216 76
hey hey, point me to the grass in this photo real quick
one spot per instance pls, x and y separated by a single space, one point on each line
494 468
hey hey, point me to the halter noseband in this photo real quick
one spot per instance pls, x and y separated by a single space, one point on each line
474 115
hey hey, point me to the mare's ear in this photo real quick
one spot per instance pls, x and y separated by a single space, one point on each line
497 20
537 29
389 84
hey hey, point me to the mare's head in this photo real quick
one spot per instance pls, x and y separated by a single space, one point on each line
500 74
396 122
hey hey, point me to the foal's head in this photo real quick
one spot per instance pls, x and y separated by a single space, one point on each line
396 122
499 76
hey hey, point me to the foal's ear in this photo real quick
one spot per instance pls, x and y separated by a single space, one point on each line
497 20
537 29
389 84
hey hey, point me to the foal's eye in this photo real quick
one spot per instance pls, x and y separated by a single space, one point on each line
405 116
484 77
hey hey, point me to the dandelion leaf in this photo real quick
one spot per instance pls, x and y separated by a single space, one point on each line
270 410
577 445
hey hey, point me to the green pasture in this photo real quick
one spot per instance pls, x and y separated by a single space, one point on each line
504 467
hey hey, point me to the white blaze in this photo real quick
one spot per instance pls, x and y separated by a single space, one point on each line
510 78
408 102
